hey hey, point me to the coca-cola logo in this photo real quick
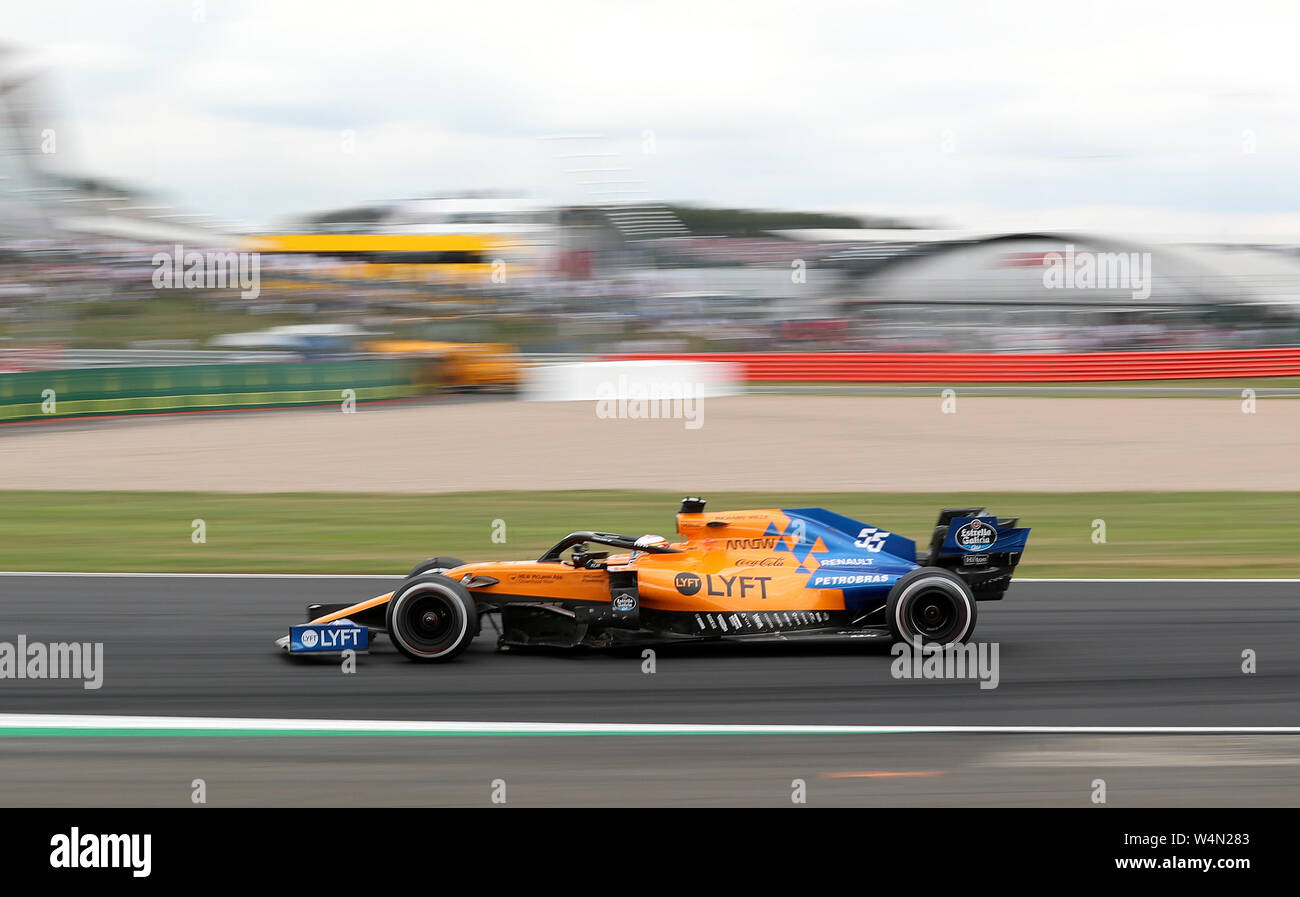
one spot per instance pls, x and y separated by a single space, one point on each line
975 536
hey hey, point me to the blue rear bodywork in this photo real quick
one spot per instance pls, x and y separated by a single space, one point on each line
865 561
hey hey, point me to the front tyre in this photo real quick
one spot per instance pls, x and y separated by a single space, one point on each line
435 565
431 618
931 605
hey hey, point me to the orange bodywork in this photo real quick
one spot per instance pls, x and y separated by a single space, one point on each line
738 567
764 574
725 563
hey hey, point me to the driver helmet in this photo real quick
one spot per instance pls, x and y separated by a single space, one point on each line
645 542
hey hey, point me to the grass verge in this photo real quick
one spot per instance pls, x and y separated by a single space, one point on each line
1148 534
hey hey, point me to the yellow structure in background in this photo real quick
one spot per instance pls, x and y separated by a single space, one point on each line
458 365
425 258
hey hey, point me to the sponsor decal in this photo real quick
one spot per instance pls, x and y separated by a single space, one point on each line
837 580
749 621
536 577
761 544
846 562
688 583
975 536
341 635
760 562
624 603
738 585
975 560
871 538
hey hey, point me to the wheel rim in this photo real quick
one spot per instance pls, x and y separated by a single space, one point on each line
429 620
935 613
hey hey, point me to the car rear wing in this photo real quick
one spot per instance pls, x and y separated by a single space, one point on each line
978 546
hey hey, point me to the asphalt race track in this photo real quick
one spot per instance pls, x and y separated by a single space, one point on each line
888 771
1071 654
1144 654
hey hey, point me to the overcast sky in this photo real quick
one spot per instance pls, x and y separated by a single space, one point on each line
1173 117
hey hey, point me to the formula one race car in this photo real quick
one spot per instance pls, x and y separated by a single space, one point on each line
765 574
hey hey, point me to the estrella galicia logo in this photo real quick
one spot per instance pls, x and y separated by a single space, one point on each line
688 583
624 603
975 536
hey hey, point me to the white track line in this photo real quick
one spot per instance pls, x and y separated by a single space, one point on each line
402 576
65 722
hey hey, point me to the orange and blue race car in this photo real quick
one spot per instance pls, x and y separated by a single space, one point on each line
774 574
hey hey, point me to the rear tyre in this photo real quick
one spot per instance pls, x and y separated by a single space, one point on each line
933 605
431 618
435 565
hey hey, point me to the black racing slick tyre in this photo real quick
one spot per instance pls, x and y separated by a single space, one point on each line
933 605
435 565
431 618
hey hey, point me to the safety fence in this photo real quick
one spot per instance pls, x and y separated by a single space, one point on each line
908 367
17 360
38 395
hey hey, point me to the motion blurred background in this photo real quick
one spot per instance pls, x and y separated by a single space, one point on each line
480 188
216 205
